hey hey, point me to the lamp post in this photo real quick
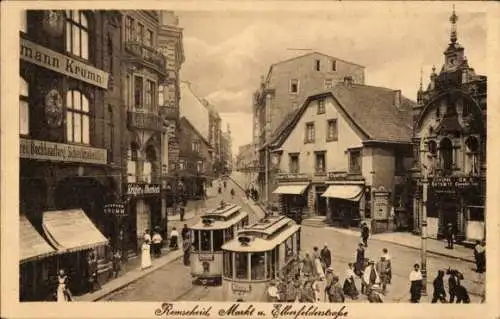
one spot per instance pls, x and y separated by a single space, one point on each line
423 252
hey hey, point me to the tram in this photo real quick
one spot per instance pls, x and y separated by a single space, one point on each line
214 229
261 253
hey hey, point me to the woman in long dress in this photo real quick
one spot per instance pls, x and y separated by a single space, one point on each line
349 283
146 255
62 292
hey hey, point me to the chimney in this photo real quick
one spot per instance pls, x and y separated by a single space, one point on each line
397 99
348 81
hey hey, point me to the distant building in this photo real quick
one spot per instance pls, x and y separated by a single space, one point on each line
344 156
246 163
226 151
450 144
214 134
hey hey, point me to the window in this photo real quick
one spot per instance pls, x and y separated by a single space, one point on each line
472 155
199 167
24 21
317 64
228 234
182 165
270 264
195 146
332 133
77 117
24 108
446 154
149 38
241 263
334 65
150 93
138 92
321 106
218 239
257 264
294 86
140 33
205 240
355 161
129 29
146 172
161 99
111 129
320 162
196 242
328 83
310 133
294 163
228 264
77 34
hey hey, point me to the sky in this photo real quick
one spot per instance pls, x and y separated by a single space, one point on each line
227 52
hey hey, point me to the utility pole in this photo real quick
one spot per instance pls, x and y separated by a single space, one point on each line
423 251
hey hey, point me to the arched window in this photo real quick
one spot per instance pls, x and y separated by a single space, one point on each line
24 107
472 155
446 154
77 34
77 117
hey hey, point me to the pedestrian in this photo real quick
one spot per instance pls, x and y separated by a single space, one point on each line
181 213
146 255
370 277
415 284
63 293
385 253
146 236
452 285
365 233
375 294
479 257
349 283
219 190
184 232
360 260
449 235
186 247
383 269
117 265
462 294
439 292
326 256
282 287
90 271
225 184
335 293
157 242
308 294
174 236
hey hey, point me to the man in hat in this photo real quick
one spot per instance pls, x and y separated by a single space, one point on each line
157 242
383 268
449 235
335 293
365 233
326 256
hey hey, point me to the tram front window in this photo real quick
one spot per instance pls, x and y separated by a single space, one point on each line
258 266
194 236
228 264
205 240
218 240
241 261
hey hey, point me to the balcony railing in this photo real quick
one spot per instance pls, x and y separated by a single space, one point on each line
169 112
148 56
144 120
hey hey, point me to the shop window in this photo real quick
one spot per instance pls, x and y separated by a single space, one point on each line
294 163
205 240
355 161
24 107
218 239
294 86
257 264
310 133
77 118
320 162
446 154
332 133
138 92
241 263
228 264
23 27
321 106
140 33
77 34
150 94
129 29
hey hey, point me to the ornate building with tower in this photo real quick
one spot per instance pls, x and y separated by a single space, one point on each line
450 147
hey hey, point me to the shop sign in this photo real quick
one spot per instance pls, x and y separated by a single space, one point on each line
114 209
292 176
42 150
63 64
241 287
451 183
134 189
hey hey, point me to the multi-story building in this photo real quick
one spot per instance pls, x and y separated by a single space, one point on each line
70 147
450 145
343 157
226 157
246 163
195 165
214 133
287 84
144 70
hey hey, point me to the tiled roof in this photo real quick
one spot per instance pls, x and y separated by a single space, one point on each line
370 108
191 126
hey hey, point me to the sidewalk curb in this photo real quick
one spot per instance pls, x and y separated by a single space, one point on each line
125 284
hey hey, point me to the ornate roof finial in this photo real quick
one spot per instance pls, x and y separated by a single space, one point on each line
453 20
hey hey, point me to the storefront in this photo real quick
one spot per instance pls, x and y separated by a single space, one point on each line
292 199
343 204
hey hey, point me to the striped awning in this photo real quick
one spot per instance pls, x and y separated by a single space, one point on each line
71 230
348 192
295 189
31 244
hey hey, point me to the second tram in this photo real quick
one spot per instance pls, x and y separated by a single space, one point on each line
215 228
261 253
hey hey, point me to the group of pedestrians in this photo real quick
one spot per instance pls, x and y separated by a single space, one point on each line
151 246
252 193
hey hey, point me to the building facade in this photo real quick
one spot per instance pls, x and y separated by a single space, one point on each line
226 151
246 163
450 145
285 88
214 136
70 147
343 157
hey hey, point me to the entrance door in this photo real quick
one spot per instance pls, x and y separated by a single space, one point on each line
449 211
320 201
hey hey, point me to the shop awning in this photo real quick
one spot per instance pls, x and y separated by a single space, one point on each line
348 192
32 245
295 189
71 230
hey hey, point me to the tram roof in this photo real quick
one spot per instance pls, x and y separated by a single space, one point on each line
220 224
267 226
222 213
258 244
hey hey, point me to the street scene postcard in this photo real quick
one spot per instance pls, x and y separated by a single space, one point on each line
250 159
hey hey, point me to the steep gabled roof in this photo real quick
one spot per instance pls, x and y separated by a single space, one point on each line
370 109
186 121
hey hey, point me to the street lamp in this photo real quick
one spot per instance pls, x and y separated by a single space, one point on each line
423 252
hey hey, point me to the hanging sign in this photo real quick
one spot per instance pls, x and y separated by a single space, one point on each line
115 209
451 183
